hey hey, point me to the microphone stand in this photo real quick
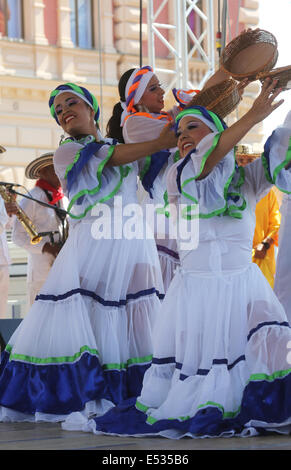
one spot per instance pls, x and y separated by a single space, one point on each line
62 213
50 235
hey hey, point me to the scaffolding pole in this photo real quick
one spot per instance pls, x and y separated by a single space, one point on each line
183 43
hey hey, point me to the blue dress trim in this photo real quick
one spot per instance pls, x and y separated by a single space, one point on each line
158 160
64 388
107 303
261 325
267 149
263 401
85 155
166 250
180 169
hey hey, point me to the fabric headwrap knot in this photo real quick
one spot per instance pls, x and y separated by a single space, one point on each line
135 88
82 92
183 97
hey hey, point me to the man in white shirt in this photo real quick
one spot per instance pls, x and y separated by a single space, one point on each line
6 211
4 258
41 255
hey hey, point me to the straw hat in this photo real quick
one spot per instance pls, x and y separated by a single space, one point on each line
33 168
2 149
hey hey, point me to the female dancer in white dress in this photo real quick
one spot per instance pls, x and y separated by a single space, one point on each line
87 339
220 364
137 117
283 263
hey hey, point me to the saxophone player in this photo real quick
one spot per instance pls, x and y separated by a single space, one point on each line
6 212
7 209
41 255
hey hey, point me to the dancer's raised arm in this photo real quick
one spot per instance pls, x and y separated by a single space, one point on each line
262 107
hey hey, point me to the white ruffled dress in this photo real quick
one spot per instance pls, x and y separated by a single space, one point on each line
282 282
139 128
221 364
87 339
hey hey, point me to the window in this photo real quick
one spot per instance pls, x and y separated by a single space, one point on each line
81 23
11 24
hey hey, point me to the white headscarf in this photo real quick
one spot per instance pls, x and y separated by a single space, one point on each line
208 123
138 92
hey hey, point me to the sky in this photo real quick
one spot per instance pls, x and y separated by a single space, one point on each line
275 17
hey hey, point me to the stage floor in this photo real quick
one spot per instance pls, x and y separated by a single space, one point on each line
44 436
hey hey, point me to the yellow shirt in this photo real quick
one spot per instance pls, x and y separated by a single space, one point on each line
268 219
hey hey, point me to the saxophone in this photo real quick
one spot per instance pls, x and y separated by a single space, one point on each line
22 217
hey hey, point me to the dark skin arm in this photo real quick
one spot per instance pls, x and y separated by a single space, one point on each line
128 153
261 250
51 249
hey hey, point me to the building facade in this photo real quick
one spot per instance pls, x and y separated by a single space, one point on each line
91 42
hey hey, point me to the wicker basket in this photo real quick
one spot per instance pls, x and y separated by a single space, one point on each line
282 74
250 53
222 98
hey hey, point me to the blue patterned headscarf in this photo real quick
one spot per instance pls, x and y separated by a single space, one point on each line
82 92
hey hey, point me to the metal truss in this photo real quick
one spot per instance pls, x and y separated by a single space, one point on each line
183 43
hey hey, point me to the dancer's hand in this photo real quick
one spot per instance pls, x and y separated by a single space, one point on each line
241 87
52 249
265 103
11 208
260 251
167 137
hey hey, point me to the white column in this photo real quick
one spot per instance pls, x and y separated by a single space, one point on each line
126 26
103 26
64 26
38 16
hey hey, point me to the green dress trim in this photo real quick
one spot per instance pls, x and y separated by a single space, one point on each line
278 169
230 210
123 173
75 357
225 414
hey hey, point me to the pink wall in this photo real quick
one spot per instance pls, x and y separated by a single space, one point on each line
161 49
50 21
233 6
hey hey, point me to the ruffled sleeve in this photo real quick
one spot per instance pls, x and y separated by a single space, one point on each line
218 193
277 155
63 158
85 177
269 170
256 180
141 127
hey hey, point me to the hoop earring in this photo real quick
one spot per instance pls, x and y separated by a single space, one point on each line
62 138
